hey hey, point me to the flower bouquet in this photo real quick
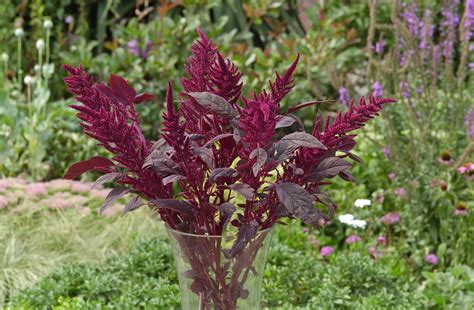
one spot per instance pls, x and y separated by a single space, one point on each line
224 170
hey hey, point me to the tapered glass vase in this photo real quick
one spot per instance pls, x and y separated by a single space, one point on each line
211 277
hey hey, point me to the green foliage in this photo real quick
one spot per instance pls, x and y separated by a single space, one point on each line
453 289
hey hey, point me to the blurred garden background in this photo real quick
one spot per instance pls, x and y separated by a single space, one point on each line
413 243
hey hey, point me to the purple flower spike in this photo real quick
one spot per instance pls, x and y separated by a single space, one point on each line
326 251
377 89
343 96
431 259
405 88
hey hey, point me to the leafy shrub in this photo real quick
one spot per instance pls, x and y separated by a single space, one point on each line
294 279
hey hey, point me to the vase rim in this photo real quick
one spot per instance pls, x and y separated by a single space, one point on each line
208 236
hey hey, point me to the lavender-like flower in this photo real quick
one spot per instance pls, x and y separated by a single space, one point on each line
426 30
386 151
405 89
377 89
343 96
449 24
431 259
379 46
469 20
410 17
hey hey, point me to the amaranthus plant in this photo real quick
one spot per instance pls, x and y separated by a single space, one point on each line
217 148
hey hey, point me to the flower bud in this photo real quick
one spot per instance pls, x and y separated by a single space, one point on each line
29 80
5 57
19 32
40 45
48 24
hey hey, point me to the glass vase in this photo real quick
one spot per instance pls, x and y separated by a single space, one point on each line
210 279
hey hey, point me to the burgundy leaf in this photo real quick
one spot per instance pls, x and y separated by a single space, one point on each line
247 231
303 139
114 194
175 205
109 177
284 121
329 168
222 173
243 189
121 89
133 205
172 178
143 97
261 157
94 163
213 103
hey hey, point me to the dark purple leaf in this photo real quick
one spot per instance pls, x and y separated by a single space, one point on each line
329 168
347 176
247 231
172 178
355 158
226 211
94 163
165 167
109 177
222 173
299 203
284 121
261 157
114 194
303 139
281 151
143 97
346 144
281 211
217 138
206 156
213 103
175 205
196 137
243 189
133 205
